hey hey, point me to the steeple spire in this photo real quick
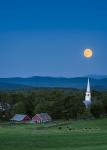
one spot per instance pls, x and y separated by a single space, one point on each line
87 101
88 86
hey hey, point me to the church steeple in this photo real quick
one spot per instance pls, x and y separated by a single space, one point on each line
87 101
88 92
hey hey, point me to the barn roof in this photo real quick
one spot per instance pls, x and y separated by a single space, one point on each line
42 116
45 115
18 117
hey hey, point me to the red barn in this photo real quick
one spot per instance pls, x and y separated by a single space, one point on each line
21 118
37 118
41 118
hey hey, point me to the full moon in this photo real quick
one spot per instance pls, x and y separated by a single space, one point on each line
88 53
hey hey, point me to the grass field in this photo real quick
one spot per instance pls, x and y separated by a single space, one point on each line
74 135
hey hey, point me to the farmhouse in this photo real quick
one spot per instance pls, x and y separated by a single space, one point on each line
42 118
20 118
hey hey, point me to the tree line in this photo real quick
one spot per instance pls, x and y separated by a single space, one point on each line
59 103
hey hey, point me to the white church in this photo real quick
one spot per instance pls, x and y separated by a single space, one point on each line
87 100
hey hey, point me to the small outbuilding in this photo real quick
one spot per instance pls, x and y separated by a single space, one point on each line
20 118
42 118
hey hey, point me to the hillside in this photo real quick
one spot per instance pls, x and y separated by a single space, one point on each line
72 135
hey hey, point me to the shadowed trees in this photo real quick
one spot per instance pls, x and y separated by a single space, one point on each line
97 109
59 103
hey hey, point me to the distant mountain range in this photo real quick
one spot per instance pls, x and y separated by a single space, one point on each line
97 82
97 76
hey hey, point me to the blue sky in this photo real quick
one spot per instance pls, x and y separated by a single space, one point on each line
47 38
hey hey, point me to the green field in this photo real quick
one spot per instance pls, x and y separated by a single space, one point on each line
73 135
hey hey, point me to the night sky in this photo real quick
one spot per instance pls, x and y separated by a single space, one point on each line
47 37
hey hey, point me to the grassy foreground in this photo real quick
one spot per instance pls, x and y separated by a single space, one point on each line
74 135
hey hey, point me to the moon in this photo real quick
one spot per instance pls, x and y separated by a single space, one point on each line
88 53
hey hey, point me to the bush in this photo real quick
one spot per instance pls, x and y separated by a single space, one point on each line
59 128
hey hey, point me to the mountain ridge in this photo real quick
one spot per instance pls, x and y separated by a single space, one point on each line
60 82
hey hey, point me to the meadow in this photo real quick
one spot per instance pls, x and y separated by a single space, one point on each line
60 135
